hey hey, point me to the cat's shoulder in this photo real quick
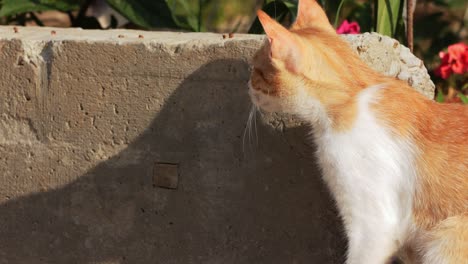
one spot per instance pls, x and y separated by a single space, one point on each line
405 110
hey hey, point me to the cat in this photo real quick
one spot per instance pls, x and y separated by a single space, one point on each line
395 161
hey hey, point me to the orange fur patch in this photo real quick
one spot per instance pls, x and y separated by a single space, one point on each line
441 135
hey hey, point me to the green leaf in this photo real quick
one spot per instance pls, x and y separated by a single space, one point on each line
186 13
14 7
463 98
292 5
278 10
145 13
388 13
440 96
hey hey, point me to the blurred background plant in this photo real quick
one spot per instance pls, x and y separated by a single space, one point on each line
439 26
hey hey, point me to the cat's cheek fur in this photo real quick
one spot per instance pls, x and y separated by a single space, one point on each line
270 103
300 104
375 202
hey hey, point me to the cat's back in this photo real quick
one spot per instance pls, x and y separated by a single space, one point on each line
408 114
438 135
443 165
450 123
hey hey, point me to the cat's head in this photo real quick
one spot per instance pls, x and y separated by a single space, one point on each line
302 68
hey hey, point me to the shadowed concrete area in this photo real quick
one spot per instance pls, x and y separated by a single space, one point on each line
82 127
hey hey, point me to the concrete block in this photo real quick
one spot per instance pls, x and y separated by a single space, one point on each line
85 114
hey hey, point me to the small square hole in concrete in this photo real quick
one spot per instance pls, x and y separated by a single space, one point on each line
166 175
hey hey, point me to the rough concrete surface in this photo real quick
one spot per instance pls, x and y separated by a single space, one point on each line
88 117
388 56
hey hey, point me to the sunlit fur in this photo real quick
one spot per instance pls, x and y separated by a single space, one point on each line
396 162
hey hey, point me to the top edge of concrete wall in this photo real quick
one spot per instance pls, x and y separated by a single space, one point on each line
118 36
384 54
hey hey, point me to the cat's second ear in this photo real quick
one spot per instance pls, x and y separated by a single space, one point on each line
310 14
283 44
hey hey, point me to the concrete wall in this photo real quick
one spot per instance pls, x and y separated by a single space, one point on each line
88 121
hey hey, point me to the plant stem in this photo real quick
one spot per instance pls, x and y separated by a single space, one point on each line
338 11
410 6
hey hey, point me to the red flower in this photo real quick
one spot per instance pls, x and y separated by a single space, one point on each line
458 57
453 61
444 70
348 28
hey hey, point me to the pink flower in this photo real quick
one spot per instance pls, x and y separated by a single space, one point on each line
453 61
348 28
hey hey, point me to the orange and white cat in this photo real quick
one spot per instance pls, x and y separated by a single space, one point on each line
396 162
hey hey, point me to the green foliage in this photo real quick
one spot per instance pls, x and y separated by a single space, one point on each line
465 87
388 15
186 14
463 98
440 96
145 13
14 7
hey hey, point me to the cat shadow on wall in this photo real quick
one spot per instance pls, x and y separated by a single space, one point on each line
262 205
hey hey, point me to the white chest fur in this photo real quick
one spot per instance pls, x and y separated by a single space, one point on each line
371 176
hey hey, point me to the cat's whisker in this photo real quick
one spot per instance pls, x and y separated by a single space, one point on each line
243 137
254 110
250 126
248 129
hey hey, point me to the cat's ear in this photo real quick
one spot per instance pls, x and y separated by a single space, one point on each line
310 14
283 44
